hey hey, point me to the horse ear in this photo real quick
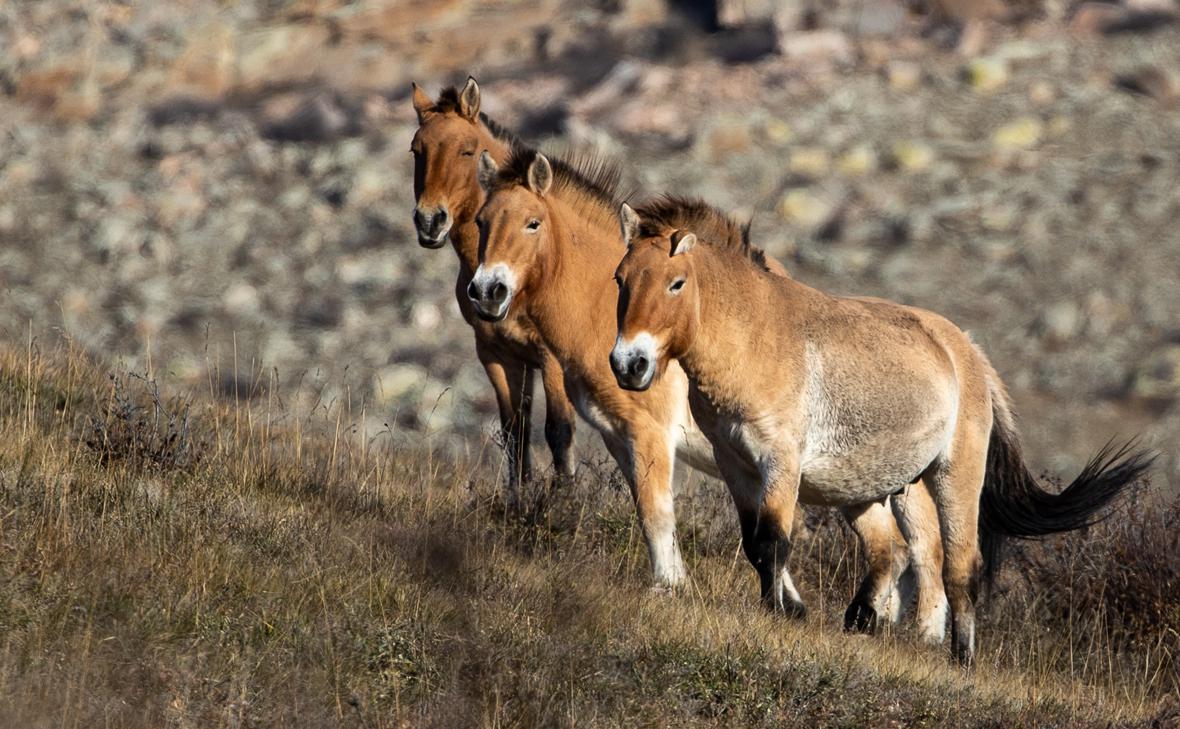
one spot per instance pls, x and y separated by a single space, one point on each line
422 102
629 220
487 170
540 175
469 99
682 242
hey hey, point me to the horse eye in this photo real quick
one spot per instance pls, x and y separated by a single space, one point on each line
676 285
467 153
533 224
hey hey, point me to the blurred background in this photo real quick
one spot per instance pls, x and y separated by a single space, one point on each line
220 192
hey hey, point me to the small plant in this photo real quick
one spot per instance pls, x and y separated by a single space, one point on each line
140 428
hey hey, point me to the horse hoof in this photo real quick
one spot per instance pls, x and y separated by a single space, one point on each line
860 618
666 590
787 609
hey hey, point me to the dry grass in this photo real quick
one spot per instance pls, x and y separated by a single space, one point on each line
253 566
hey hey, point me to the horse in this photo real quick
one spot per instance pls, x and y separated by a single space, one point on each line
813 398
549 244
451 134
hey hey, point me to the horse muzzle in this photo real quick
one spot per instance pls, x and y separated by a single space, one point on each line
490 295
633 370
433 226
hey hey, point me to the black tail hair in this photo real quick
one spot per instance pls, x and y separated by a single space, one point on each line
1014 505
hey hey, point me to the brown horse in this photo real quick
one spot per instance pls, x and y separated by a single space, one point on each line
452 134
841 401
549 245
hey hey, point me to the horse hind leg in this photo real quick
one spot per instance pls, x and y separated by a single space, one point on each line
917 518
880 598
956 484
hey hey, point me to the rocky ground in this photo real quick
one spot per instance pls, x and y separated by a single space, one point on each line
223 194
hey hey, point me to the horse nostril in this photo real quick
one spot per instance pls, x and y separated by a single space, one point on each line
638 366
421 220
472 292
441 218
499 293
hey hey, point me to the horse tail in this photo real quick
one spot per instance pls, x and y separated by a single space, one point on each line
1015 505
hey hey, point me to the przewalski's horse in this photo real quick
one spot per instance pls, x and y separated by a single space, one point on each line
550 242
452 134
842 401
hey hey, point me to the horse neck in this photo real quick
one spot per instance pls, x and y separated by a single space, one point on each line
464 232
574 307
732 294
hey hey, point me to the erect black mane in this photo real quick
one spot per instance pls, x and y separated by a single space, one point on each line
709 224
592 176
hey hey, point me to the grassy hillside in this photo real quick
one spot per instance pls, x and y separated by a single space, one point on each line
168 559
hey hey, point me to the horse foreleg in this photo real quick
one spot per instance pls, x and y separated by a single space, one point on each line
766 509
559 418
512 382
647 463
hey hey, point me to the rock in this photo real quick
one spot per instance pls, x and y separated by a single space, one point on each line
1059 126
987 74
903 75
241 299
1060 322
726 138
393 382
735 13
809 162
1000 218
859 160
1150 81
280 55
1095 17
321 117
641 118
1041 93
805 209
25 47
878 18
777 131
1023 133
788 16
912 156
1132 16
205 67
623 78
817 46
1158 377
425 316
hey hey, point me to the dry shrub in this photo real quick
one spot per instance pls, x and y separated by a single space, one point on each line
140 428
1123 573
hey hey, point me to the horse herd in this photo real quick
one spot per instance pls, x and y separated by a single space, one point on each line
671 334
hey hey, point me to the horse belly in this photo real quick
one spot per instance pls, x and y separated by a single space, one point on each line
863 449
842 466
